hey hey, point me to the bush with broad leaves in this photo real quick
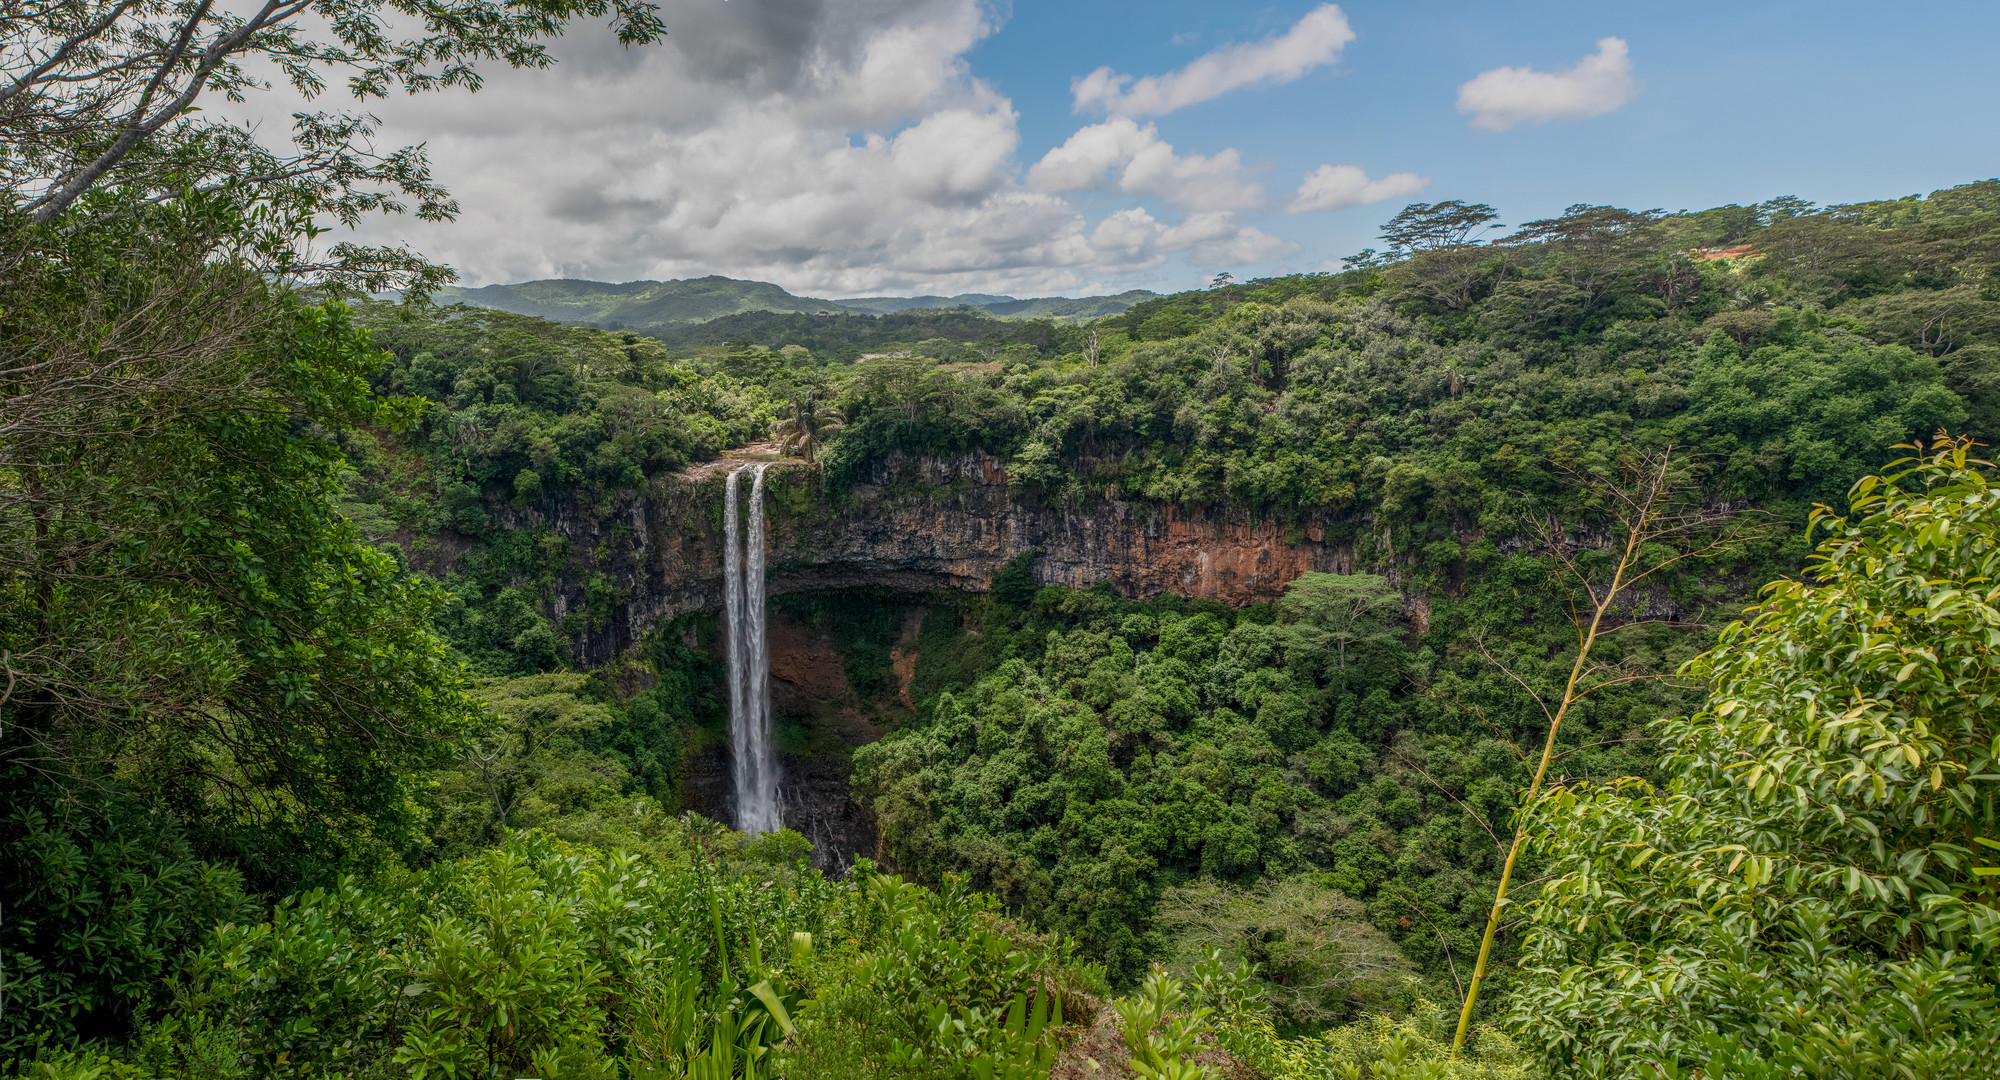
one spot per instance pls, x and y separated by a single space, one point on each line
1811 895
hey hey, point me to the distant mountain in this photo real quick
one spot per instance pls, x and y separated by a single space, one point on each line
696 300
883 305
1059 307
1006 307
635 303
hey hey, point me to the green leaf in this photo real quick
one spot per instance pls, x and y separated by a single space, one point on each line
764 992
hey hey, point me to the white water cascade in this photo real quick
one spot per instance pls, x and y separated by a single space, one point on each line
756 757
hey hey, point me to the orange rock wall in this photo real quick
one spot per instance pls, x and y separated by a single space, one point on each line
917 525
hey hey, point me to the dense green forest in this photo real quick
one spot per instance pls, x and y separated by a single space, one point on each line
1432 439
301 772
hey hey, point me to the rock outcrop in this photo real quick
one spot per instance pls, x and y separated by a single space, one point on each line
916 525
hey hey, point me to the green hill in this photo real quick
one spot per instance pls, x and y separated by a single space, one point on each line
649 304
635 303
884 305
1061 307
1005 307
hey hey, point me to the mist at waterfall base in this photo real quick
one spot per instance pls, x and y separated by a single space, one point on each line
755 756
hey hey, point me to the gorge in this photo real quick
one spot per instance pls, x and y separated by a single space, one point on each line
1030 606
1568 649
931 533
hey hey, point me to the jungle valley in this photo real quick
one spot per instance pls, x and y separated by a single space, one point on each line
1566 654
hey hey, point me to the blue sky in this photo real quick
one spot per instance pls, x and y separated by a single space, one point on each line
845 147
1739 102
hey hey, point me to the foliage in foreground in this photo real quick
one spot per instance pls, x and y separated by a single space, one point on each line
715 960
214 680
543 959
182 606
213 684
1414 1046
1812 894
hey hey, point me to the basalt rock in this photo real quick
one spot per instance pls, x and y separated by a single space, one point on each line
809 688
813 799
915 525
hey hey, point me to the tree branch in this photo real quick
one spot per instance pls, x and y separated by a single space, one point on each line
38 73
139 127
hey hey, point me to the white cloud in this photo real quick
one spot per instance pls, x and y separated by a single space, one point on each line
1213 238
836 147
1190 182
1147 167
955 153
1132 233
1313 41
1509 97
1216 238
1081 162
1337 187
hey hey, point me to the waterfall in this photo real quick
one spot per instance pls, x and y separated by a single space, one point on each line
732 607
755 755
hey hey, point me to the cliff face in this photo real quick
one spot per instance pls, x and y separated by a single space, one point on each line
809 688
916 525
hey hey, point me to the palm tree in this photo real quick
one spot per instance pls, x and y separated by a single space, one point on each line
806 421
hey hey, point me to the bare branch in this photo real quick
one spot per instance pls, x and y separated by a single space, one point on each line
139 126
1444 944
1605 742
40 72
1474 814
1479 642
1646 515
1511 744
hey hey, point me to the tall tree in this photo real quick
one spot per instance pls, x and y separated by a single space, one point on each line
200 654
807 418
1439 242
1656 524
1445 226
1592 247
103 95
1814 893
1350 609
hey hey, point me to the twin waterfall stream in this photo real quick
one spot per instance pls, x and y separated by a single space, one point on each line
755 756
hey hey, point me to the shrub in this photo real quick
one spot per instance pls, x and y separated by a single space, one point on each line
1804 898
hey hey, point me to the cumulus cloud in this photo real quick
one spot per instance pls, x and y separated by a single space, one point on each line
1130 232
1510 97
1080 164
1218 238
1146 166
1337 187
1312 42
833 146
837 147
1212 238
